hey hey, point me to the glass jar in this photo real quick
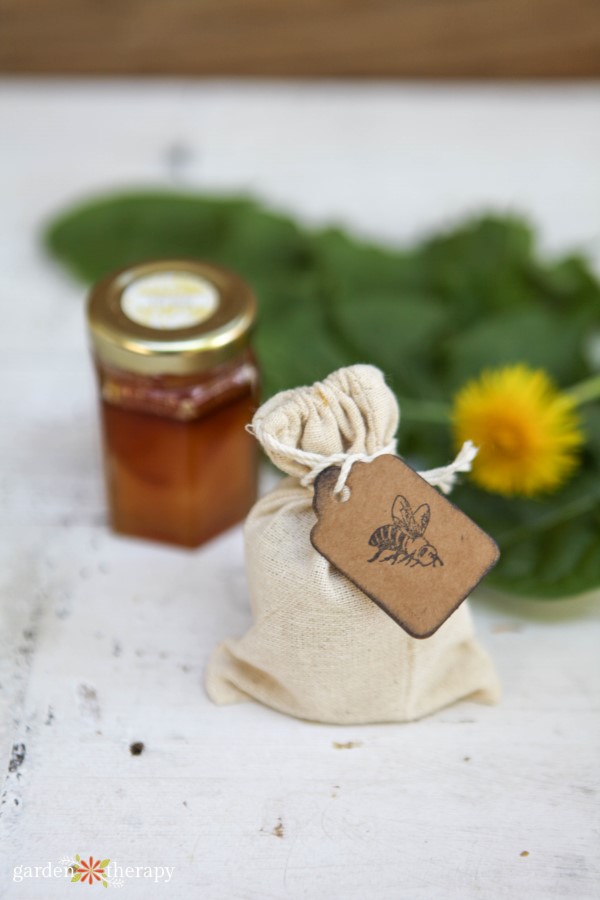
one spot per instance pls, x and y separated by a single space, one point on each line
178 383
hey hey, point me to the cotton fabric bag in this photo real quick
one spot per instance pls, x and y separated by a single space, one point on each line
319 648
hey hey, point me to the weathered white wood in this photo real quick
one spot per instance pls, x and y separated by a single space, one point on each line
104 640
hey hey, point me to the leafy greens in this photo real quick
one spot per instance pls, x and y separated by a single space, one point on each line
431 316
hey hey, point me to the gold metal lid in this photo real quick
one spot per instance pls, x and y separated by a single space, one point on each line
170 317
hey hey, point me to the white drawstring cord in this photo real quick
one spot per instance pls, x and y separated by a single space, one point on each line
443 477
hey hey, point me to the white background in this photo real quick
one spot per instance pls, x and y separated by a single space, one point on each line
104 640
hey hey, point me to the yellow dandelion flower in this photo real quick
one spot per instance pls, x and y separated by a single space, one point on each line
528 433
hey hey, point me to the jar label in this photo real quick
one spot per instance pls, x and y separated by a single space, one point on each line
169 300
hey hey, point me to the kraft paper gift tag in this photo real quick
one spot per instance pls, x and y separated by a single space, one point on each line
402 543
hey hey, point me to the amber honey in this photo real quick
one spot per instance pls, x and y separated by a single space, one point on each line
178 384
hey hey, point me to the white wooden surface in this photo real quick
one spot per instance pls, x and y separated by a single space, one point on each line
104 640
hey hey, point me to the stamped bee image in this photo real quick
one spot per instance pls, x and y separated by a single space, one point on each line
402 539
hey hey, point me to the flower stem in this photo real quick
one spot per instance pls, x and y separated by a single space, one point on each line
437 413
585 391
429 411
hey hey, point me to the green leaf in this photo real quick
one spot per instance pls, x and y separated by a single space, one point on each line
537 337
410 357
315 350
96 238
549 549
104 863
431 316
76 877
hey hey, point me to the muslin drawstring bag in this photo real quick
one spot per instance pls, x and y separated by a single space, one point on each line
319 648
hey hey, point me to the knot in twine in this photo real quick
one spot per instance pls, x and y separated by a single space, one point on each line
443 477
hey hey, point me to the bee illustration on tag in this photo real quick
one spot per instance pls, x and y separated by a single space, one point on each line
403 537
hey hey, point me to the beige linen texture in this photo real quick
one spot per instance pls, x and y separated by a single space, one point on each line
319 649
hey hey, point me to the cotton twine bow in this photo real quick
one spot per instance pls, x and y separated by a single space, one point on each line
443 477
